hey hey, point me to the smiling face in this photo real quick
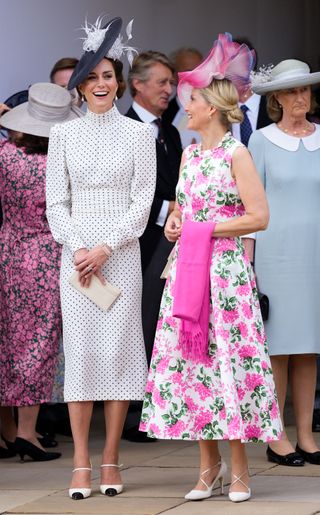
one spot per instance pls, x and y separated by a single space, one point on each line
199 111
295 102
100 87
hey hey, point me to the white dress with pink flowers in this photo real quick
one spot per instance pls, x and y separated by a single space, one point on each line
231 395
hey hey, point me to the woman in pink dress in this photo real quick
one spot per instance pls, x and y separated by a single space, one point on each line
30 318
215 382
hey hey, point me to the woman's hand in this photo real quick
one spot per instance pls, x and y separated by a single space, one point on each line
172 230
89 262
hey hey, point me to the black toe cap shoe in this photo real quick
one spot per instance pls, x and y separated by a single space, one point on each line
293 459
310 457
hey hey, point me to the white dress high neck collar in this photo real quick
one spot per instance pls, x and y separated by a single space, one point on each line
104 118
291 143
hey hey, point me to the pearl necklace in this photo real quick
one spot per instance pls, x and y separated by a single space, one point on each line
300 132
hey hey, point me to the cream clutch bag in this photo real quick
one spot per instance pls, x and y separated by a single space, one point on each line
103 295
166 270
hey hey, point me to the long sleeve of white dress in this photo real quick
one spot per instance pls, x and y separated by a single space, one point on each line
58 194
134 221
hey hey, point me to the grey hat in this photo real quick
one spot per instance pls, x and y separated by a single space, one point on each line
47 105
288 74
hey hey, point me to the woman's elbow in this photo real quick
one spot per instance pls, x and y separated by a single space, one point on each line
262 220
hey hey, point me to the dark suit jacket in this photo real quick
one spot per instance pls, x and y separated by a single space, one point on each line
168 163
171 111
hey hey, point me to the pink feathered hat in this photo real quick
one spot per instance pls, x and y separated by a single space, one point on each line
227 60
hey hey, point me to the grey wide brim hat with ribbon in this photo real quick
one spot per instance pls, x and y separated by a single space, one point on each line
288 74
47 105
104 39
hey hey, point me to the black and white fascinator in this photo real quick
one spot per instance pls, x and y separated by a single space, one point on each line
101 41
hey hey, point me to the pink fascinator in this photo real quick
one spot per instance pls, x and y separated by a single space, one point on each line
227 60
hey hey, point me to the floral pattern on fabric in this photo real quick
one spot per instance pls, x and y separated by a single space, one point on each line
231 395
30 319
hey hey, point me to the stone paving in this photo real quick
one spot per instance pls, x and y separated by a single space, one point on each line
156 477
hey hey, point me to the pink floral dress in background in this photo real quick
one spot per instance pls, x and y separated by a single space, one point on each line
30 317
231 395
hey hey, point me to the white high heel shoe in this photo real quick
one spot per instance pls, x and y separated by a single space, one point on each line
111 490
239 496
197 495
80 493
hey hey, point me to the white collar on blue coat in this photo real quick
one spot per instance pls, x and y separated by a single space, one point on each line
291 143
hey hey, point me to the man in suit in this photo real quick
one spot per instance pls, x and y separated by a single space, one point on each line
151 81
253 107
184 59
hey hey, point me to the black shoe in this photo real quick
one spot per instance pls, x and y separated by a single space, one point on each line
10 445
310 457
26 448
48 441
6 453
293 459
134 435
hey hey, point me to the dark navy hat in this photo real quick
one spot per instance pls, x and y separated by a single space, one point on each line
17 98
109 32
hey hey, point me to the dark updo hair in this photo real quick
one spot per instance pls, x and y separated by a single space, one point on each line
118 69
32 144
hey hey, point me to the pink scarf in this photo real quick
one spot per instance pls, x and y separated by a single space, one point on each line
192 288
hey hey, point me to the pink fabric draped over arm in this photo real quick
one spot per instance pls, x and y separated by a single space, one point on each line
192 288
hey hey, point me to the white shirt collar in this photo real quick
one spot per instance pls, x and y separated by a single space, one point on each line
291 143
143 113
252 103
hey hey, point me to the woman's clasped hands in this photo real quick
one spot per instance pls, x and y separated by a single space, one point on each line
89 263
172 230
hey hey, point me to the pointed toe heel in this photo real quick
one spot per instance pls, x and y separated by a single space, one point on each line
293 459
78 493
111 490
239 496
25 448
198 495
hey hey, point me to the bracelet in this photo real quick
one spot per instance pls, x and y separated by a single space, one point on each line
106 249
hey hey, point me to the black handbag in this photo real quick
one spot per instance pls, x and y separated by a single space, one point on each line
264 305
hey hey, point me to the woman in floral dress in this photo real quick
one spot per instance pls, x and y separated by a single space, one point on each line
230 394
30 315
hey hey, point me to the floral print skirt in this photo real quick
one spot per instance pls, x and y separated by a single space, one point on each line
231 395
30 318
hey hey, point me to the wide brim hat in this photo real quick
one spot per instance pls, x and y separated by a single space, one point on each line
47 105
226 60
97 44
288 74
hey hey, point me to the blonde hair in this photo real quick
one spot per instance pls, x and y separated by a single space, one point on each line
274 109
223 95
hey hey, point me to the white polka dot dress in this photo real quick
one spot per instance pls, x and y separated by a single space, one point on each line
101 173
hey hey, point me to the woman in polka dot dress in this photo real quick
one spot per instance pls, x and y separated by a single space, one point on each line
100 184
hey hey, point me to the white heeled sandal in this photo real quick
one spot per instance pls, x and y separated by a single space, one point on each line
239 496
197 495
111 490
80 493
